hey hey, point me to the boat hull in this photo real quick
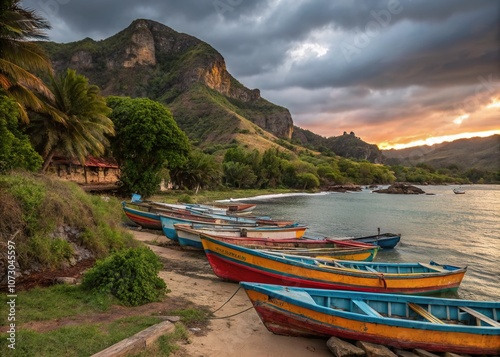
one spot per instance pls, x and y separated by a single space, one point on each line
385 241
238 263
293 317
144 219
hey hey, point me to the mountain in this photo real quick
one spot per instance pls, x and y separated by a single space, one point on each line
346 145
149 59
474 153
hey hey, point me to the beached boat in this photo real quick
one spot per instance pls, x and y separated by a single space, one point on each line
384 240
189 234
144 217
238 263
400 321
189 237
148 216
169 220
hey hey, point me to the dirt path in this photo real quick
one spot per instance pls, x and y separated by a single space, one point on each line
189 276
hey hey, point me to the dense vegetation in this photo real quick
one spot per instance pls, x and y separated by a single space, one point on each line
48 219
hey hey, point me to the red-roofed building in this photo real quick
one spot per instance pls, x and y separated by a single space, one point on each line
95 171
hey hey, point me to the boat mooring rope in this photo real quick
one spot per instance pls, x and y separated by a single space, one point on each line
228 316
225 317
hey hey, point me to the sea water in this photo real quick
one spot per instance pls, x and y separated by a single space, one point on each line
449 228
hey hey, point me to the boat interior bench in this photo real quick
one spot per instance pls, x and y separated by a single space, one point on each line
424 313
367 309
479 316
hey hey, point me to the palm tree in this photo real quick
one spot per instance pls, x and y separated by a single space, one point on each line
20 58
200 170
77 125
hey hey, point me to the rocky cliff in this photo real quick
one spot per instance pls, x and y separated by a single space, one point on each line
346 145
150 59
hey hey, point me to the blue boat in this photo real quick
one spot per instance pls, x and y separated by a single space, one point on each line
168 221
400 321
384 240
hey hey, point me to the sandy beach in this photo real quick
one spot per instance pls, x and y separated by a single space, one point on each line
189 276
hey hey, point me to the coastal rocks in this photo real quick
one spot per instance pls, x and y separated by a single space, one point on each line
423 353
401 188
343 188
373 350
341 348
401 353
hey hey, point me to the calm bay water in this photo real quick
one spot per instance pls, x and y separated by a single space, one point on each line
445 227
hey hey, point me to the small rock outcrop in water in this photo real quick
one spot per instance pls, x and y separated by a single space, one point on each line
343 188
401 188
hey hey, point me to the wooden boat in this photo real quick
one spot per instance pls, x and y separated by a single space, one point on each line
145 218
168 221
190 237
148 216
236 207
400 321
384 240
189 234
238 263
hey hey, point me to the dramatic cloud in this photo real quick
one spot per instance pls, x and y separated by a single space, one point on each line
392 71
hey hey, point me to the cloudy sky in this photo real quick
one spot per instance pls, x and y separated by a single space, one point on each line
392 71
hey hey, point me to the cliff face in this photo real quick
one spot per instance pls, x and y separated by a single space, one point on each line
150 59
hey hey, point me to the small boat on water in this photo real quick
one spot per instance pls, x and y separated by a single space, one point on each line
384 240
458 191
236 207
190 237
238 263
400 321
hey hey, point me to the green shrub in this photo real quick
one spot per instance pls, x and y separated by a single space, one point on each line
131 275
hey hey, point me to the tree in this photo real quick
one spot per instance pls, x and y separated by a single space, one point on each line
16 151
238 175
20 58
200 170
76 123
147 140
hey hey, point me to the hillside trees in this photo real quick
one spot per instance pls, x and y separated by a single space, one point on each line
199 171
147 141
16 151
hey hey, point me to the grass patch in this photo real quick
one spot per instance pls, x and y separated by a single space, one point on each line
82 340
166 344
56 302
191 316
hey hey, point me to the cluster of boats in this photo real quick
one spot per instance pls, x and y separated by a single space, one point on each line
329 287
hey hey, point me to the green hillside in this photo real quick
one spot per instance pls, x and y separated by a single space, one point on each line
464 154
148 59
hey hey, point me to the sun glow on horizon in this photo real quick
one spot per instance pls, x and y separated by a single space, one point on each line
495 104
436 140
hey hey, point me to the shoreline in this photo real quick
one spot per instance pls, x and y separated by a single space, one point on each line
243 334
